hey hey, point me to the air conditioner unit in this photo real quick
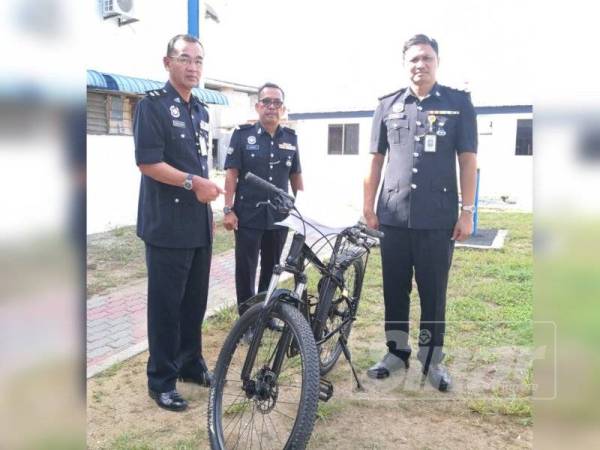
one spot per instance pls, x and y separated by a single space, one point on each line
123 10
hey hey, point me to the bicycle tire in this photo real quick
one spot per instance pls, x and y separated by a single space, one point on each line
328 309
303 341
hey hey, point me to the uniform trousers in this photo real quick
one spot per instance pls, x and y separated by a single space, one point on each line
249 242
177 295
428 255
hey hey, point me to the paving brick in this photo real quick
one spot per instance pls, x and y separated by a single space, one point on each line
120 335
98 352
91 346
124 342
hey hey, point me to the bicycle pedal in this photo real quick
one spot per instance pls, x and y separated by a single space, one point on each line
325 390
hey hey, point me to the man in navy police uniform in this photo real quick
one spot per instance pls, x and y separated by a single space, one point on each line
422 129
175 221
270 151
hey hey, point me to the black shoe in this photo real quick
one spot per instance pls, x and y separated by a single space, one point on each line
439 377
170 400
204 378
389 364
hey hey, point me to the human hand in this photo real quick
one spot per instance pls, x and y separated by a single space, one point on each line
371 220
230 221
206 191
464 227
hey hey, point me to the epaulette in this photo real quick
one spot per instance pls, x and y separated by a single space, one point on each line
459 90
399 91
156 93
244 126
289 130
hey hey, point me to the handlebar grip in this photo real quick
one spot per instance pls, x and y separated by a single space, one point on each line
371 232
265 185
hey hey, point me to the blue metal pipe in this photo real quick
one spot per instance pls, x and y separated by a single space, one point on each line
476 212
194 18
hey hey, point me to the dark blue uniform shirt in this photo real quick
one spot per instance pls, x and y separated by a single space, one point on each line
166 129
419 187
252 149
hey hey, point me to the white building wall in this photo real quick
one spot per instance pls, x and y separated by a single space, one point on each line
334 176
502 173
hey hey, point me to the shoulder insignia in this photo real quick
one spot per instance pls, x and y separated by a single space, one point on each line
463 90
156 93
244 126
399 91
289 130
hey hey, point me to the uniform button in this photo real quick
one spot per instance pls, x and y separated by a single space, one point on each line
413 186
415 170
271 167
271 143
415 154
272 155
417 138
182 135
192 116
176 200
252 155
268 201
419 123
445 189
270 178
420 108
203 168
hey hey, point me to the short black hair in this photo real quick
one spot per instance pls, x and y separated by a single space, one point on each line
184 37
272 86
418 39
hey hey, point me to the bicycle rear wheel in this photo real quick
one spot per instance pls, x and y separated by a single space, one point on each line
270 410
336 305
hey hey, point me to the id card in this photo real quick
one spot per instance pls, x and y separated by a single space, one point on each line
203 149
430 140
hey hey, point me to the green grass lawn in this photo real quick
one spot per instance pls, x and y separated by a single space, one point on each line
117 257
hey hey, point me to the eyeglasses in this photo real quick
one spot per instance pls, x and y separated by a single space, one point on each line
271 101
186 60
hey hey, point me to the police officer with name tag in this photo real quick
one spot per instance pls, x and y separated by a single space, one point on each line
423 129
270 151
175 221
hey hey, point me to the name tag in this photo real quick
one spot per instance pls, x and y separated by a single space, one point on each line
395 116
179 123
287 146
444 113
252 147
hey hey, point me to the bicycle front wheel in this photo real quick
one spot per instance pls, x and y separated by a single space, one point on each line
274 409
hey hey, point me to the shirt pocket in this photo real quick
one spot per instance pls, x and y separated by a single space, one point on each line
396 129
444 193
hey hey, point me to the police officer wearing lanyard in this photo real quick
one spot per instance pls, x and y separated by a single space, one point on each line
270 151
422 129
175 221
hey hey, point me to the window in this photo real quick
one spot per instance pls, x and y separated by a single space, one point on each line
524 144
110 114
343 139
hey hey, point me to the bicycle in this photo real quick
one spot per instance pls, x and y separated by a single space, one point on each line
275 381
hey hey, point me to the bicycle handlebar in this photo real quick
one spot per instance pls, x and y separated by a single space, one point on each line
370 231
266 186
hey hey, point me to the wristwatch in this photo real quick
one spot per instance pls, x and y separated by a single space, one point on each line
468 208
227 209
187 184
